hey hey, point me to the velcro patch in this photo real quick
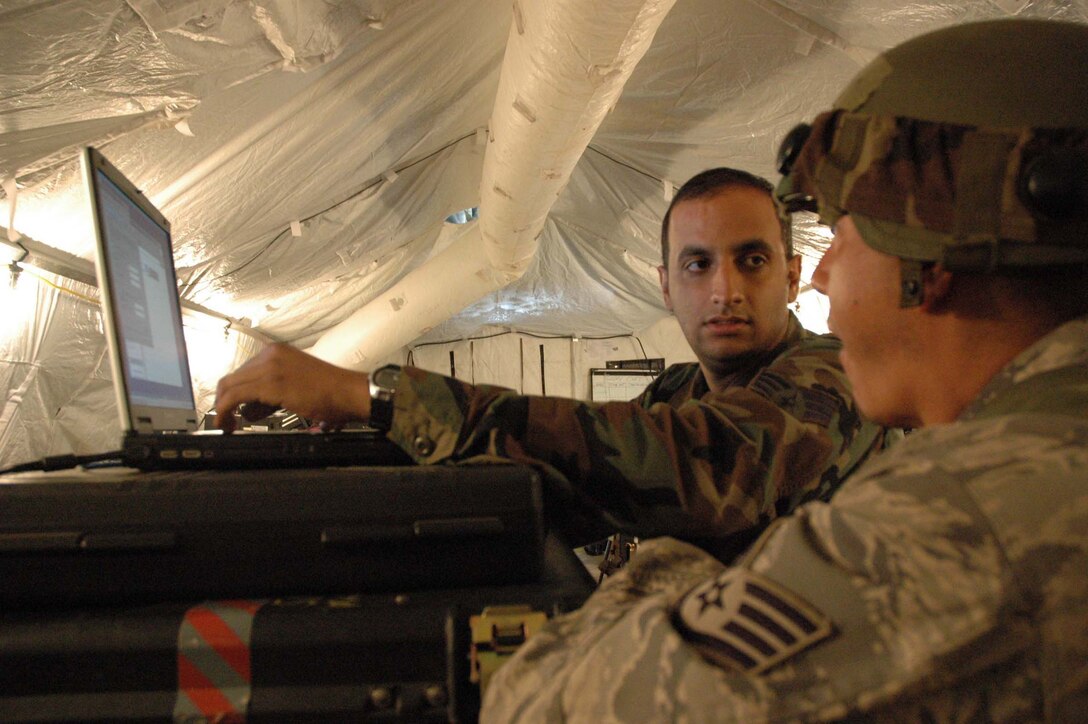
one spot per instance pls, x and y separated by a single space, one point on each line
748 623
809 403
774 387
820 406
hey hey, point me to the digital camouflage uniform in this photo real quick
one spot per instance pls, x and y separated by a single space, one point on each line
946 581
679 460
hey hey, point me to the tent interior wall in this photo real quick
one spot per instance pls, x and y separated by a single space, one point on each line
310 155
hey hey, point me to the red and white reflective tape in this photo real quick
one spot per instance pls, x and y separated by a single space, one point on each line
214 677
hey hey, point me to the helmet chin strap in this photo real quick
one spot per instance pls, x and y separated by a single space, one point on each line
911 288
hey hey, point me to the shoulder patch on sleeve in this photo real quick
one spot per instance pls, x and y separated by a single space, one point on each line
810 403
746 622
820 405
773 386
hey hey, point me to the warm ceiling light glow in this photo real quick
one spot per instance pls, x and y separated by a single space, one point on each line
811 310
62 220
19 300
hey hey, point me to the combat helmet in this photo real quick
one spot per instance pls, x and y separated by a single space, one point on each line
966 146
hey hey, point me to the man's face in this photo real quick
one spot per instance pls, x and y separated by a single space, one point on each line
728 280
878 354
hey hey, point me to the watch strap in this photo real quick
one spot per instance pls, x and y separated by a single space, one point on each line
383 387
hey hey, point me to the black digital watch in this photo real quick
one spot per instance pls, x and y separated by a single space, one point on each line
383 386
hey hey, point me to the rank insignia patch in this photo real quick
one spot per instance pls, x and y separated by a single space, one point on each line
748 623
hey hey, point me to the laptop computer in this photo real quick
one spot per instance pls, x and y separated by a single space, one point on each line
141 312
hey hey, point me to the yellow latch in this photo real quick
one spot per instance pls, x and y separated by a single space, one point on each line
496 635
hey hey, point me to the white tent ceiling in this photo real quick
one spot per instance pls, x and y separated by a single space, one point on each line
308 152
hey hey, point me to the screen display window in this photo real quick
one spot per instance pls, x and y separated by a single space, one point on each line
145 301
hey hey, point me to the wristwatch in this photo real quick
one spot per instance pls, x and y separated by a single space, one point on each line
383 385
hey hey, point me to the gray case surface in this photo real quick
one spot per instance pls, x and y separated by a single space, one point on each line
121 537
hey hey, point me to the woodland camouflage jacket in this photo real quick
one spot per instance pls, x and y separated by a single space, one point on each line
679 460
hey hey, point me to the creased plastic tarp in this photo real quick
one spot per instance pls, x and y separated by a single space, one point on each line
387 84
56 371
358 121
50 360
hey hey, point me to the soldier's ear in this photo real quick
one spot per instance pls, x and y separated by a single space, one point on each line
793 275
937 288
663 275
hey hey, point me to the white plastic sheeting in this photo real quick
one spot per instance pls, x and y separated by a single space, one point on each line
565 65
513 360
56 332
356 124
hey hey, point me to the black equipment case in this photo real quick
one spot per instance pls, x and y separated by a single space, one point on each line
116 536
371 657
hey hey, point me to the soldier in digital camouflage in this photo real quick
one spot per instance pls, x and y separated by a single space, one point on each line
711 452
947 580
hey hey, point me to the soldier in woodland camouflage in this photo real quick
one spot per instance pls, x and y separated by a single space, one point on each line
948 579
711 452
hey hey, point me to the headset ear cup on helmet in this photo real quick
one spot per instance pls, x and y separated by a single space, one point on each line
1054 185
790 147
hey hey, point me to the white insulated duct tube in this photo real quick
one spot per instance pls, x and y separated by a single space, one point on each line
565 66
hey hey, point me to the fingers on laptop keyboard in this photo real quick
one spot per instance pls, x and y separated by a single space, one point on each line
254 411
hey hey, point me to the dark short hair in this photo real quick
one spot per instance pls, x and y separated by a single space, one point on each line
712 181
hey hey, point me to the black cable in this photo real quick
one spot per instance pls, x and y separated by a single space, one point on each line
252 259
63 462
459 339
526 334
613 159
571 336
343 201
379 179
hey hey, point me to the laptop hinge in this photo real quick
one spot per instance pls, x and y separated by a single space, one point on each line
145 427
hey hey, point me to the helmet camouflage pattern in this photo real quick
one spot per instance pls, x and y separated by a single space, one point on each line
966 146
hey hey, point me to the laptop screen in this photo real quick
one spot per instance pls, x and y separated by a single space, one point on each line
137 274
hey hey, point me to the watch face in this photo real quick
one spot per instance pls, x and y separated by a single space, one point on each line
387 377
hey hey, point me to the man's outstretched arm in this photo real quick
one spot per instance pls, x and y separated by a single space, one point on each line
709 467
